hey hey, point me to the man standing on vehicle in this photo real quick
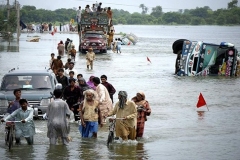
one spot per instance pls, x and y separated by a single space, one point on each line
78 16
24 128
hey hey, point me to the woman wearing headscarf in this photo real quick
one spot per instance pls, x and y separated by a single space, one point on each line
126 127
90 114
143 110
90 83
83 85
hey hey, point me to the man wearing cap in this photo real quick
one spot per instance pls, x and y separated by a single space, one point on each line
90 56
25 127
125 109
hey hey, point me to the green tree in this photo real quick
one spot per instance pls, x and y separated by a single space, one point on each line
144 8
200 12
171 17
157 11
232 4
220 19
28 8
197 21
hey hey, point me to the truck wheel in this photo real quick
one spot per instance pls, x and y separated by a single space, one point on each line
83 51
104 51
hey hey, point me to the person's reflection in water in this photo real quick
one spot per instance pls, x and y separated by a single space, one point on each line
127 151
57 152
89 149
200 114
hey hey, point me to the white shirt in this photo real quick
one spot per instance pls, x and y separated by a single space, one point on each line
66 73
79 13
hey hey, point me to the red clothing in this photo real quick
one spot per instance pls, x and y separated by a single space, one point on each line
110 88
141 114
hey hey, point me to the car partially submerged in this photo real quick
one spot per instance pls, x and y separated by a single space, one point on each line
95 40
197 58
35 85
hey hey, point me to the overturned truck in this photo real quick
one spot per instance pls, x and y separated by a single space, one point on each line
197 58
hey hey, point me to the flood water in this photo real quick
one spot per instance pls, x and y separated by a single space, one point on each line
175 130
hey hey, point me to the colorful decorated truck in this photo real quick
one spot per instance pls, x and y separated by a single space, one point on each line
197 58
94 28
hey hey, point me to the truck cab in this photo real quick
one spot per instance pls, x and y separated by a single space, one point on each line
93 32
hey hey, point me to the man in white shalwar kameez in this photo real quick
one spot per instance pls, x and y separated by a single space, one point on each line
78 16
57 114
105 102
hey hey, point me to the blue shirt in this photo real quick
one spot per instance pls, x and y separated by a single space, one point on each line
13 107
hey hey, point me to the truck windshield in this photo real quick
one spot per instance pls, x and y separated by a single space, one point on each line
26 82
93 36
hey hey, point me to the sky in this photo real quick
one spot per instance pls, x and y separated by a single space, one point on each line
127 5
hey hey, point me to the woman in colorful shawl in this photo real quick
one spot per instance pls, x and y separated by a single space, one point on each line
90 83
90 115
143 110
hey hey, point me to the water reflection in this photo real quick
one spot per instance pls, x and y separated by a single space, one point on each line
9 47
20 152
90 148
127 151
200 114
57 152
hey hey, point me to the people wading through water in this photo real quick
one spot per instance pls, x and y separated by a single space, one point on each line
143 110
73 53
57 114
24 128
51 60
90 114
105 102
109 86
60 48
125 109
72 95
61 78
71 68
90 57
57 64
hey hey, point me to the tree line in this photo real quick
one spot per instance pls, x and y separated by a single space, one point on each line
198 16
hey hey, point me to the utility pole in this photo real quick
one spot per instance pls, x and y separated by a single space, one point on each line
8 14
17 5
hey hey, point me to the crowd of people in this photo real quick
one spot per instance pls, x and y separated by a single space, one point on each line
88 102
